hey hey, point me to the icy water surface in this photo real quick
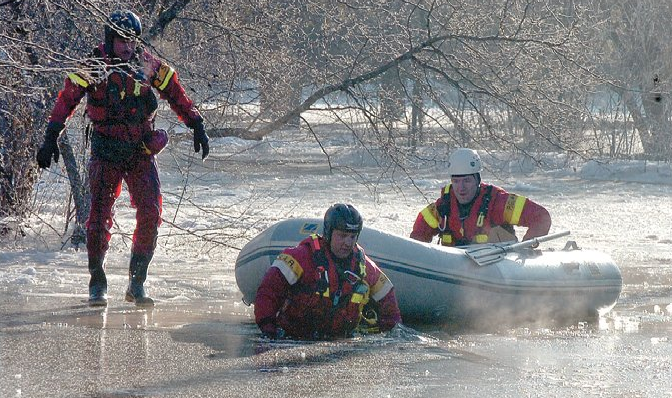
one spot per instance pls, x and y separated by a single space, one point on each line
200 339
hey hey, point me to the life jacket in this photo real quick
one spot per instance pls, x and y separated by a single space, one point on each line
120 100
474 229
328 302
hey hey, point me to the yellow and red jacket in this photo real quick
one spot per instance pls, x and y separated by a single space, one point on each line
306 295
120 100
493 206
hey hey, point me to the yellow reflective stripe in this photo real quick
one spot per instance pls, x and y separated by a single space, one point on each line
75 78
430 216
514 208
357 298
362 262
167 79
136 89
481 238
381 287
447 239
289 267
163 76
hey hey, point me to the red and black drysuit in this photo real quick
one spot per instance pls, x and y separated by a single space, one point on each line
310 294
122 106
459 225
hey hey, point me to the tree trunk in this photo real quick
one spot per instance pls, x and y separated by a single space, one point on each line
17 162
391 97
79 190
657 112
417 116
643 126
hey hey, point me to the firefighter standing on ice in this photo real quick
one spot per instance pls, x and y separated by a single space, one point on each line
118 80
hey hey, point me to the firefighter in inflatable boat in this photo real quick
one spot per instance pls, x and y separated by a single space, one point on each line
470 211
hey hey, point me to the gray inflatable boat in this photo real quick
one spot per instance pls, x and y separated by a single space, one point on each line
477 285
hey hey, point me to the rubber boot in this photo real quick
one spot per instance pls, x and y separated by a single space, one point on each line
97 283
137 274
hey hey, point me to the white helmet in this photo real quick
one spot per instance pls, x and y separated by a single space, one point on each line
464 161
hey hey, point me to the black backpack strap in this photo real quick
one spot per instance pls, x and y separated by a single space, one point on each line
483 211
321 264
444 212
444 207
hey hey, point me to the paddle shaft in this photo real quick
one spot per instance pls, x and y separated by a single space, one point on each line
484 255
534 241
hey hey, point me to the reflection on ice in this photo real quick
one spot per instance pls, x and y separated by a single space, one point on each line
402 333
621 323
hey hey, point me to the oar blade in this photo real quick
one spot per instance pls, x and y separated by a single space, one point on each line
488 254
485 255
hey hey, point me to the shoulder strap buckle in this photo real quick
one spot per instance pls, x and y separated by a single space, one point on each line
484 207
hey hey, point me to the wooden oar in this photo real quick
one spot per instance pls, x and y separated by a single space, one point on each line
488 254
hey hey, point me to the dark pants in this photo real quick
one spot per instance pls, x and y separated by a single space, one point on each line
105 180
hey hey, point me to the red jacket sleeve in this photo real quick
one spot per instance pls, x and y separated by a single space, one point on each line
536 218
422 231
67 101
180 103
389 312
271 295
388 308
167 83
532 215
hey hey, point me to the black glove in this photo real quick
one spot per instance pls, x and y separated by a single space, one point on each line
278 334
201 140
268 329
49 148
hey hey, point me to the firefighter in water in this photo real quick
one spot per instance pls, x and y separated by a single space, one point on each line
326 287
118 80
470 211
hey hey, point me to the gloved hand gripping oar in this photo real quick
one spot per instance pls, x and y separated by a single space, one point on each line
488 254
